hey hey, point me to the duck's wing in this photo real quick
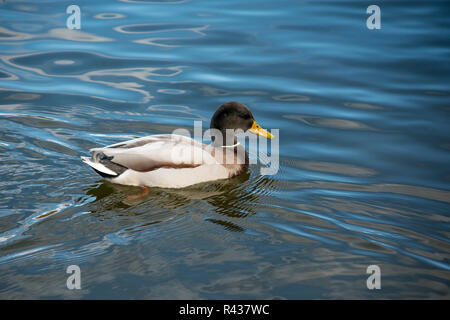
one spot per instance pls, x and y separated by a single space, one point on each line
150 153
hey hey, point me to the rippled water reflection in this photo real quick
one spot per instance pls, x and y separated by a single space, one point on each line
364 147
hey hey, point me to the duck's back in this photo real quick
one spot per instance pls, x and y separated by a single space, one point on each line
170 161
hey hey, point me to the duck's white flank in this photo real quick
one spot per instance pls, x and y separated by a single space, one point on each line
168 161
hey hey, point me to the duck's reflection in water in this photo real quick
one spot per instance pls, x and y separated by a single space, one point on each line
232 198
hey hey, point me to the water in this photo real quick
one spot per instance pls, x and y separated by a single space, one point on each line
364 149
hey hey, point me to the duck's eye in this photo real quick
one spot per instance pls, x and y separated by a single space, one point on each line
246 116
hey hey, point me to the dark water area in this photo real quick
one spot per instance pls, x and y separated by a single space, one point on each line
364 147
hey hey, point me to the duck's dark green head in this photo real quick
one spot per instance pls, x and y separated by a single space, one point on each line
235 115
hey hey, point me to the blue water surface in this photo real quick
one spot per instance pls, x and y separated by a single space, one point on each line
364 145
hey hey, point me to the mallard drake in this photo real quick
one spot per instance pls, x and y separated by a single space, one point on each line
176 161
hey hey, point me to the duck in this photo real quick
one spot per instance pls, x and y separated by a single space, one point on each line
178 161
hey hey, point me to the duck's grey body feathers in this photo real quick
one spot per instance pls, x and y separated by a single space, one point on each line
165 160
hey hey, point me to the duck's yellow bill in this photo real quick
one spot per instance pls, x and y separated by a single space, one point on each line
256 129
